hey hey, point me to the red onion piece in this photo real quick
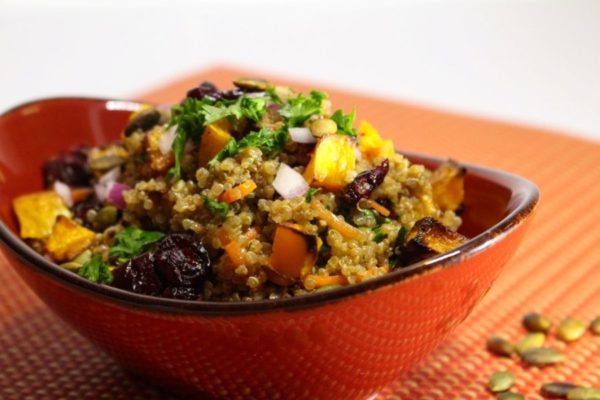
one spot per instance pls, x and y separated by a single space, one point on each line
165 142
64 191
102 188
301 135
115 194
289 183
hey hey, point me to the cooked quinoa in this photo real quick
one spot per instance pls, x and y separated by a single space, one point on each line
187 204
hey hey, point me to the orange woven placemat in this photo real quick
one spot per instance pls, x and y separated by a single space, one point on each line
556 270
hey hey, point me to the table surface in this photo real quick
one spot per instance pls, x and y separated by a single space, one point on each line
533 62
556 270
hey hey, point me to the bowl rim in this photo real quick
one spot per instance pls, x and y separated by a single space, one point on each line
524 196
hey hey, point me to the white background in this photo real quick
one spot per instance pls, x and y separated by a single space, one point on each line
535 62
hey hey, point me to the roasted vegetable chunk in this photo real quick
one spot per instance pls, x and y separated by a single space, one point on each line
68 239
37 213
215 137
427 238
447 182
333 159
294 253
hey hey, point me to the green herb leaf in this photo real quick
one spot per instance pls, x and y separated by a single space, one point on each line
252 108
310 194
344 122
300 108
216 207
132 241
266 140
96 270
379 235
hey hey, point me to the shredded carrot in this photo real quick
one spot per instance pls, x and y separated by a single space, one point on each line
322 280
80 194
334 222
378 207
238 192
234 252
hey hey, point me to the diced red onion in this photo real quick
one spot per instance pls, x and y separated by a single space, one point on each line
102 188
289 183
115 194
64 191
165 142
357 153
302 135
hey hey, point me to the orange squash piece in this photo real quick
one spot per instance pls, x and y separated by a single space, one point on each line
37 213
214 138
447 183
68 239
293 256
334 157
371 144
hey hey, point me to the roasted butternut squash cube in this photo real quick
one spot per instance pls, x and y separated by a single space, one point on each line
214 138
427 238
371 144
294 253
334 157
68 239
37 213
447 183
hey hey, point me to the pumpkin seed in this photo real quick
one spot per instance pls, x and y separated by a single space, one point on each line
530 341
71 266
595 326
557 390
500 346
570 330
327 288
535 322
542 356
584 393
106 217
322 127
501 381
253 84
142 120
106 162
510 396
83 257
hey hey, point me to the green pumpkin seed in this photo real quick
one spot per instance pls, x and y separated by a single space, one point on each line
535 322
322 127
530 341
570 330
251 84
542 356
583 393
557 390
83 257
71 266
595 326
500 346
501 381
327 288
106 217
106 162
510 396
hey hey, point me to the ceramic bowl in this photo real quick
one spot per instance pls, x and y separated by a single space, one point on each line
344 343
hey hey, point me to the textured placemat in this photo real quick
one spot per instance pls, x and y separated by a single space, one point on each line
556 270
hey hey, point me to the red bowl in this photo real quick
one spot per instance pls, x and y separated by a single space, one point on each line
344 343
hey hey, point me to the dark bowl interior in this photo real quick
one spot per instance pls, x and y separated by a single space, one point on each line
495 201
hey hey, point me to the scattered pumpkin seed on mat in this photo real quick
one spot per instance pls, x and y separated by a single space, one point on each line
542 356
510 396
570 329
535 322
584 393
557 390
530 341
501 381
595 326
500 346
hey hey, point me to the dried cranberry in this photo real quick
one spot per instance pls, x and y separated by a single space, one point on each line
363 185
138 276
68 167
210 91
181 260
90 203
180 292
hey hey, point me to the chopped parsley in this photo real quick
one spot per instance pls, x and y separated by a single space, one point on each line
398 246
132 241
266 140
301 107
216 207
344 122
311 193
96 270
379 235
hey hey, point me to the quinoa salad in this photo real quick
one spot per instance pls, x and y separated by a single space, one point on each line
249 193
